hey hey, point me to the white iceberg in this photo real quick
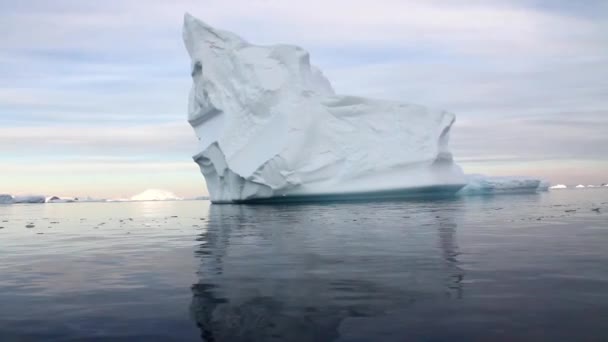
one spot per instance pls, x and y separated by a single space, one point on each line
155 195
6 199
270 126
558 186
29 199
480 185
580 186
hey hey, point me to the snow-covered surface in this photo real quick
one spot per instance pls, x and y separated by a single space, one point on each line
29 199
269 125
559 186
155 195
480 184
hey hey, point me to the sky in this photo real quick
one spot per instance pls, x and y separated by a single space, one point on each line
93 94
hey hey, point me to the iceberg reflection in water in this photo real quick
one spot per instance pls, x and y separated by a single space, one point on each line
509 268
268 273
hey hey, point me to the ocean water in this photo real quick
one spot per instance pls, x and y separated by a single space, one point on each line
501 268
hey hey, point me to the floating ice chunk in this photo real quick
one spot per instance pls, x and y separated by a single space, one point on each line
155 195
480 184
29 199
270 126
580 186
558 186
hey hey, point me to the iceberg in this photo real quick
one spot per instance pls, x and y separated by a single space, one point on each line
558 186
485 185
270 127
6 199
580 186
29 199
155 195
56 199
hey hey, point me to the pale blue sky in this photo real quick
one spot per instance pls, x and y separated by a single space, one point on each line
93 94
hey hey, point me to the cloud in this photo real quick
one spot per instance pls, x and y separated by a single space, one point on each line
158 139
528 80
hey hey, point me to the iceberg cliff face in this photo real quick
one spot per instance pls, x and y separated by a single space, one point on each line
270 126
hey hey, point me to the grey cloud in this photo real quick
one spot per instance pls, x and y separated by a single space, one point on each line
528 80
134 140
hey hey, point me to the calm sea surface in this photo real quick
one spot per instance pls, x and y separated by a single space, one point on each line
503 268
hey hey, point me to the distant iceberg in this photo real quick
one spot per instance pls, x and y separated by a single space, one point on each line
155 195
480 184
6 199
29 199
56 199
559 186
580 186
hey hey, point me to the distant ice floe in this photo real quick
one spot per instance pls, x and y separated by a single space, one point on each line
9 199
580 186
155 195
559 186
57 199
89 199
